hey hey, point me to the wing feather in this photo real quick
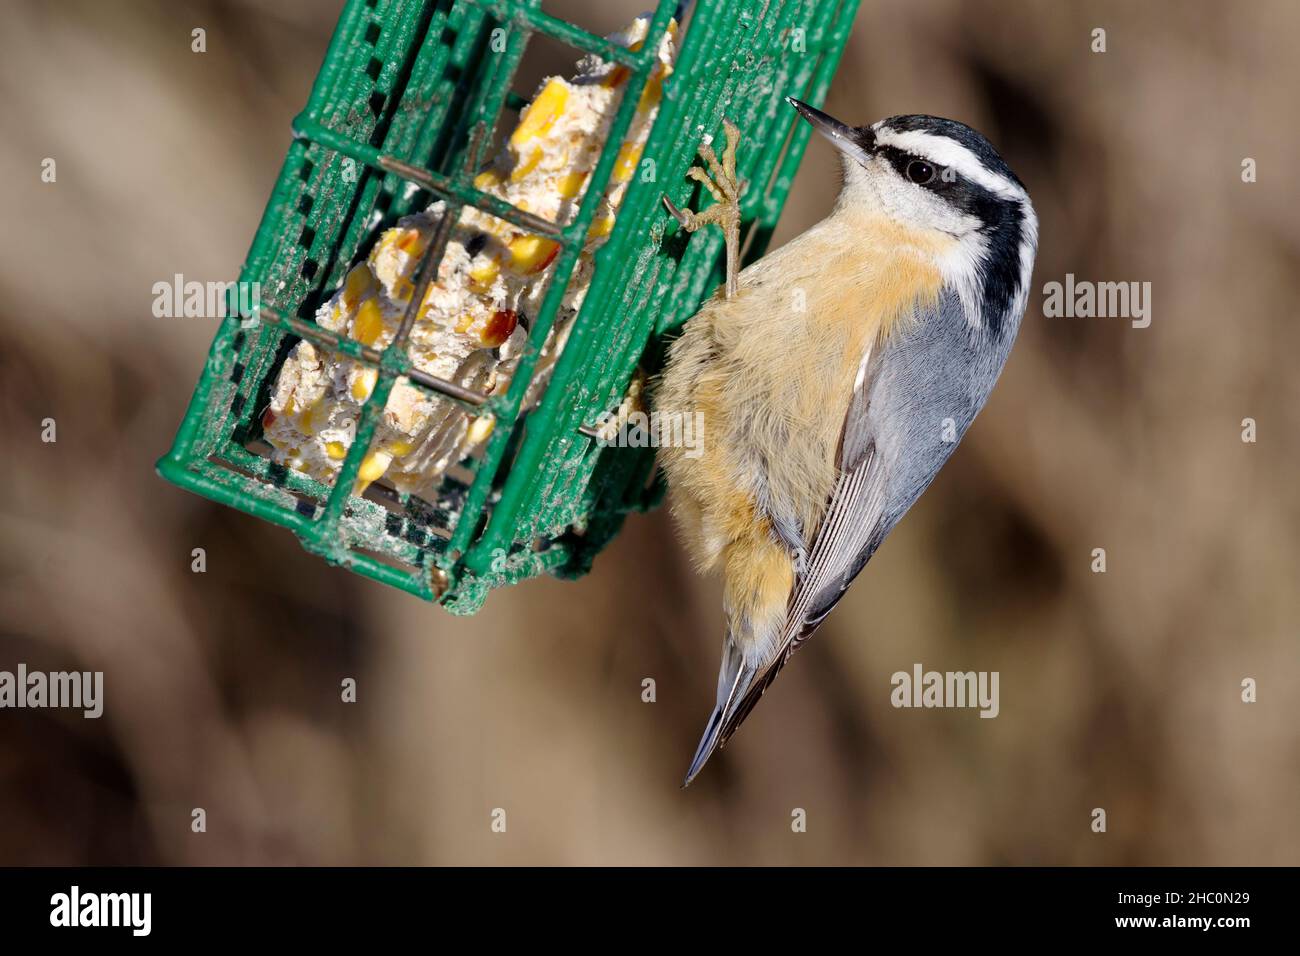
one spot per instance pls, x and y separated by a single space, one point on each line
840 549
891 447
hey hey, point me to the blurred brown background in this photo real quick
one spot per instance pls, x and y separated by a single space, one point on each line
1118 690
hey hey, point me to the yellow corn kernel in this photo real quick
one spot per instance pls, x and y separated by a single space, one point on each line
398 448
541 114
336 450
601 227
464 322
625 164
570 184
403 289
357 286
307 423
481 428
615 76
526 166
411 241
532 253
372 468
499 327
289 407
651 95
364 383
385 245
483 275
487 180
369 323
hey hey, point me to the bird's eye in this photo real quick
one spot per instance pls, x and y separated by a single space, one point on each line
920 172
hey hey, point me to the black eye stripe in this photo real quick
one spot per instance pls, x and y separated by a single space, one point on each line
959 133
901 160
957 190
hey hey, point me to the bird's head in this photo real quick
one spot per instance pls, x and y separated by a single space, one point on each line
937 175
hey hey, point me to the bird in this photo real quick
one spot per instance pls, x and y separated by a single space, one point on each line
836 375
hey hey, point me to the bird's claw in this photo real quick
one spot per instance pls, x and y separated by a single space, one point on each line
684 219
721 182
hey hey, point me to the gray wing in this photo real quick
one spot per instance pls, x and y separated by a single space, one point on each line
915 399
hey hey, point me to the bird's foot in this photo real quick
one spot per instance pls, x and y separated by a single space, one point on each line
726 190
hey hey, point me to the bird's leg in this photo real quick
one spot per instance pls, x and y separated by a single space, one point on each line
725 190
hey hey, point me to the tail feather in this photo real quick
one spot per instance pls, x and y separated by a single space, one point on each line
734 677
741 684
760 575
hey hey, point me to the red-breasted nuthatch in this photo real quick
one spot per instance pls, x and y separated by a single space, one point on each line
837 376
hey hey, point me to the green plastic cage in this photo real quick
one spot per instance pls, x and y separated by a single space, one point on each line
407 101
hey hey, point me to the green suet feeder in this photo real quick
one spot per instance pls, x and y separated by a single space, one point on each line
407 101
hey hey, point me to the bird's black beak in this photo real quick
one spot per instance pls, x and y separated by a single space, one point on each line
848 140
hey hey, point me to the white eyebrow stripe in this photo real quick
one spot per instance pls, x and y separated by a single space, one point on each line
947 152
